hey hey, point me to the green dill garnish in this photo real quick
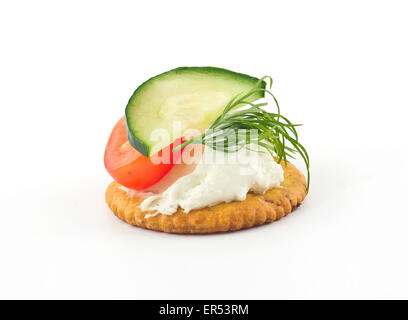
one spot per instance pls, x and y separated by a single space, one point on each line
234 129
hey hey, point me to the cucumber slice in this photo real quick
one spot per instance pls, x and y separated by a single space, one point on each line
165 106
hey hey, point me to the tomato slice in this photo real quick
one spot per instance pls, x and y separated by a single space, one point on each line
132 169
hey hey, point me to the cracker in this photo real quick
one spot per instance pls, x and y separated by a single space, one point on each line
256 209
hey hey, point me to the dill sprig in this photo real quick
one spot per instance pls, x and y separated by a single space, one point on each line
235 128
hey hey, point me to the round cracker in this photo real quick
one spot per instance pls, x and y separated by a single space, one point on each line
256 209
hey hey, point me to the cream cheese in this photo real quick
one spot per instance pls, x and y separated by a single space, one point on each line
218 177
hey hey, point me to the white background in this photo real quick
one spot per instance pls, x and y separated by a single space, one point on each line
67 69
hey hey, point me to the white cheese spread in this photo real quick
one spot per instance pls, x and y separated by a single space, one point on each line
218 177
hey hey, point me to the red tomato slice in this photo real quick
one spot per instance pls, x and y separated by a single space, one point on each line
132 169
